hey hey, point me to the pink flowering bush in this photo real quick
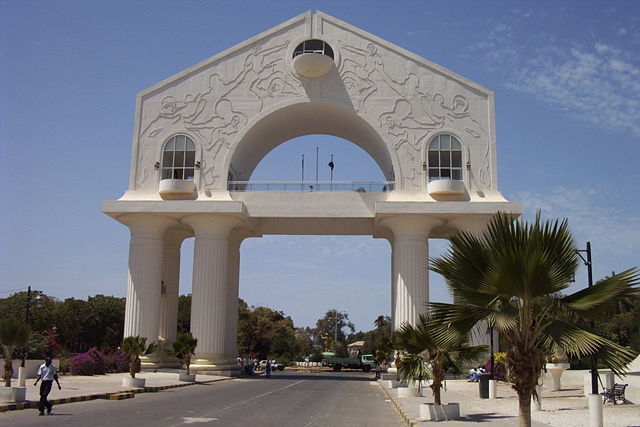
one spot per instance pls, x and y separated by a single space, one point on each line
82 364
98 358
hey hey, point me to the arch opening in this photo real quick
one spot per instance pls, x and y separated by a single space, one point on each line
309 118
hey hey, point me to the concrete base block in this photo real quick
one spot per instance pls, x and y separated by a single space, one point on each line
432 412
133 382
190 378
13 394
387 377
408 392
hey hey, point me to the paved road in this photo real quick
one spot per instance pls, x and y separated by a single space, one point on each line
286 399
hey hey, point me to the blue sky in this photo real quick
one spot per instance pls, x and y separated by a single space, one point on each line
566 77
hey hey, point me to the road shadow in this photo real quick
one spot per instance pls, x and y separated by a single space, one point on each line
485 417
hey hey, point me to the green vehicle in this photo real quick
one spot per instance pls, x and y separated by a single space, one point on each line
364 362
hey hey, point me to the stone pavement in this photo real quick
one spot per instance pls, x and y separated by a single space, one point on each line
76 388
565 408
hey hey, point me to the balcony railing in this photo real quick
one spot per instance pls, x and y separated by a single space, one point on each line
312 186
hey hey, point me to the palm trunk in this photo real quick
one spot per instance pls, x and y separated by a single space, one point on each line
436 386
8 371
133 364
524 411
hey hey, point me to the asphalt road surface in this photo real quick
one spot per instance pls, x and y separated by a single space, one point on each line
285 399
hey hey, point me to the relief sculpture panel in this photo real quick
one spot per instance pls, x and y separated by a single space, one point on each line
215 114
405 99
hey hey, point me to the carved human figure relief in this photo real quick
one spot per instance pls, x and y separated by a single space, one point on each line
172 112
457 116
359 71
277 85
143 172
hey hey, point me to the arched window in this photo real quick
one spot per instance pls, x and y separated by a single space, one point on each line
313 46
178 158
445 158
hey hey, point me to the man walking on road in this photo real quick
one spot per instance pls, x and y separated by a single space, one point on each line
48 373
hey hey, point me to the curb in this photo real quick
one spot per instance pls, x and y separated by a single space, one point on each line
115 395
410 422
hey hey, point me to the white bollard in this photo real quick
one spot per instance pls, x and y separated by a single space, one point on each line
493 389
22 376
595 411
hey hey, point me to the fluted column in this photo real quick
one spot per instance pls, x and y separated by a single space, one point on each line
476 224
145 274
410 266
231 345
209 311
168 318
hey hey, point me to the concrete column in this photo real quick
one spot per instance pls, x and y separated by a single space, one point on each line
479 334
231 345
145 274
410 266
168 318
209 310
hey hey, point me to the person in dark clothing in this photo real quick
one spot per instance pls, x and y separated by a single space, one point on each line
48 373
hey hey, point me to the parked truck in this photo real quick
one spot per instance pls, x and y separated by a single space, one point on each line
364 362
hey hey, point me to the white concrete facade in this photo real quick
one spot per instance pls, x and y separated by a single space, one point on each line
239 105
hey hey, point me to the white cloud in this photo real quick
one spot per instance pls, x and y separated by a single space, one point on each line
599 83
614 234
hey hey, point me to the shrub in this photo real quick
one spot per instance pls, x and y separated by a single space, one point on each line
500 371
99 367
82 364
122 362
110 363
64 365
118 362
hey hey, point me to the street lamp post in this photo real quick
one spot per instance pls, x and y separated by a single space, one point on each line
595 400
594 362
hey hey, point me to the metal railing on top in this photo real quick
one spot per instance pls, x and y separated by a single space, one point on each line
311 186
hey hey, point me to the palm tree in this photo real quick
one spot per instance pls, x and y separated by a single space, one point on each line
428 349
136 347
512 277
184 347
13 334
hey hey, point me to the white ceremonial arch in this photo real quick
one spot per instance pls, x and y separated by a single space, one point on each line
200 134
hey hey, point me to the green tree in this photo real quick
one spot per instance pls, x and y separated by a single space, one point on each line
13 333
184 313
332 325
512 277
263 332
71 316
41 309
429 349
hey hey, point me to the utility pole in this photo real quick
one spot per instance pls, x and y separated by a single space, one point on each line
317 150
302 175
26 320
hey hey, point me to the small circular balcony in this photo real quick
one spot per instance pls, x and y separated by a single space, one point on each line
313 58
446 188
176 189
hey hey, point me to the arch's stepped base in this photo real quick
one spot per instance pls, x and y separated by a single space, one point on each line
231 110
